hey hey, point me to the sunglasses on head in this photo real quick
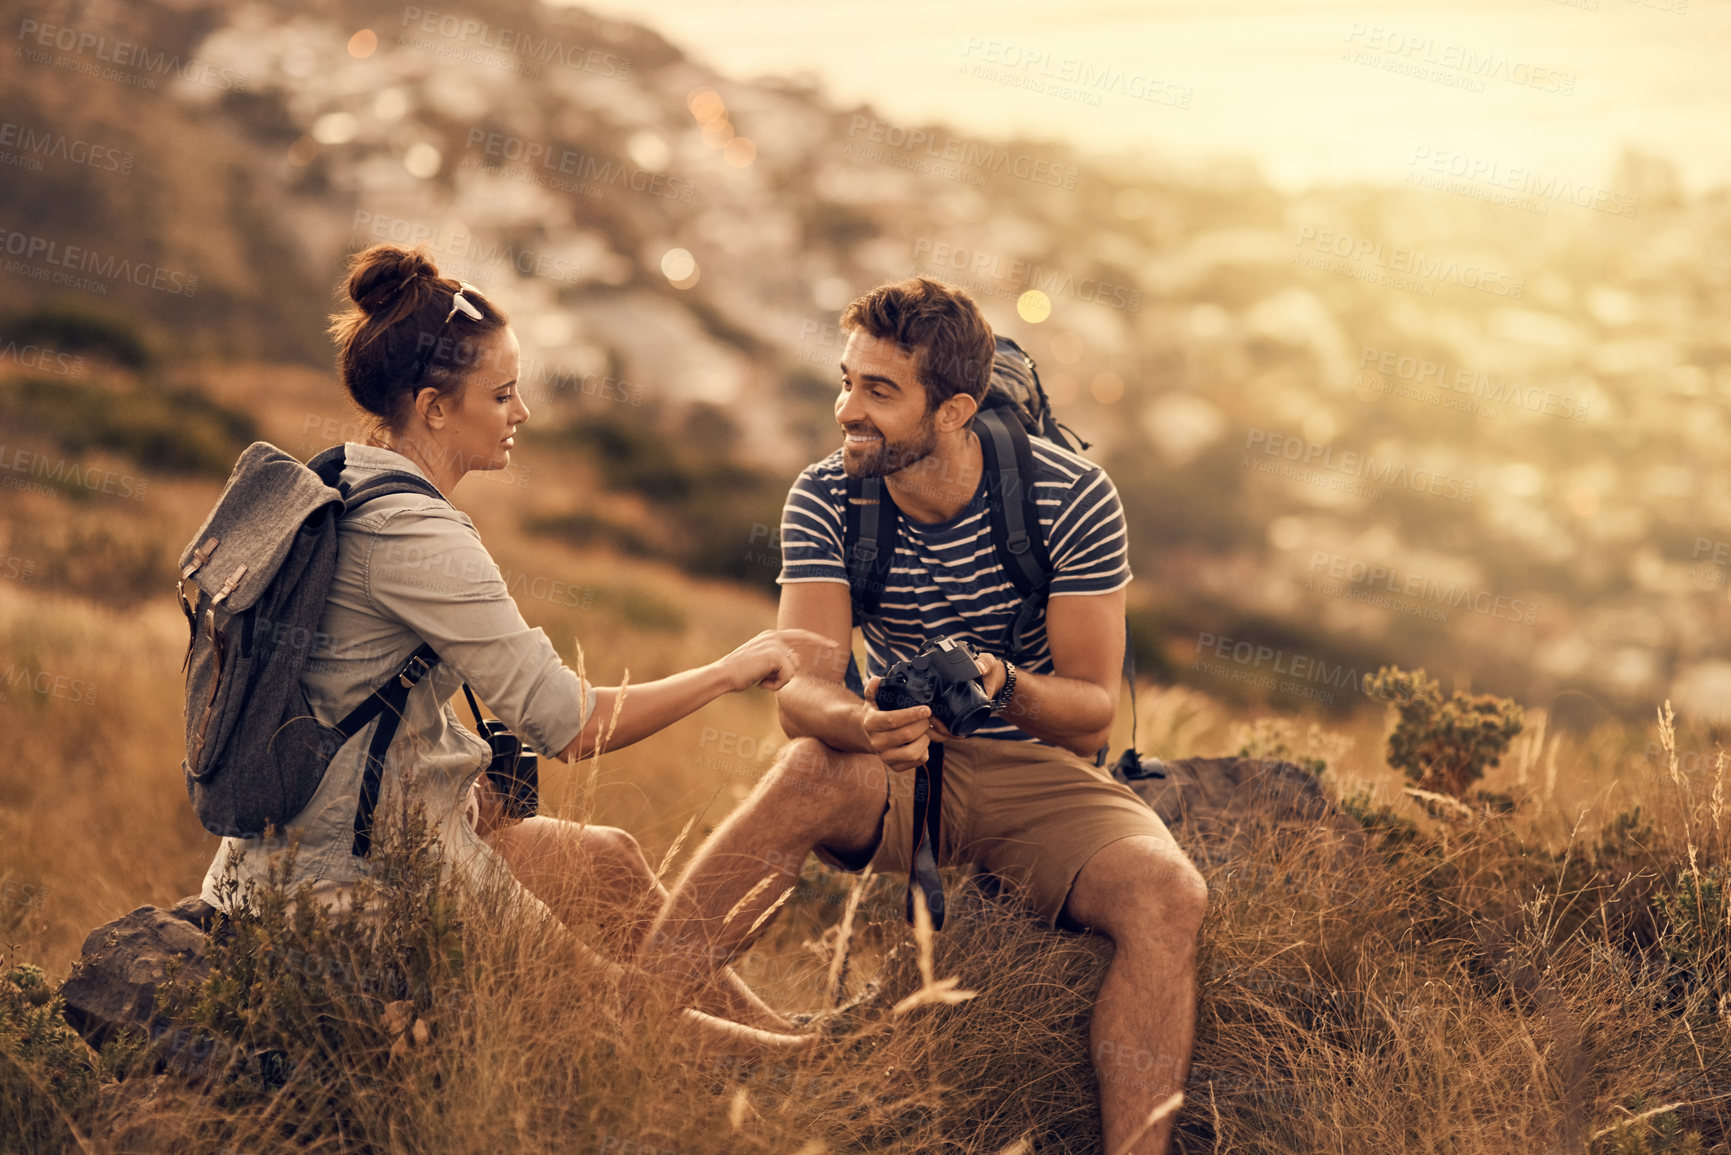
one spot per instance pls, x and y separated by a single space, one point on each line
459 304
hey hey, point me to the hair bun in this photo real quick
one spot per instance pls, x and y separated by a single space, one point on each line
378 275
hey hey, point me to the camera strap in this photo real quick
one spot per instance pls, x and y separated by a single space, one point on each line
928 822
475 706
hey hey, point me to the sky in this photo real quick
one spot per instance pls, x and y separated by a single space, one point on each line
1313 91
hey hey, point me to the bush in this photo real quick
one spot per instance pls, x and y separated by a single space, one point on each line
177 431
1279 738
1443 745
1697 910
67 329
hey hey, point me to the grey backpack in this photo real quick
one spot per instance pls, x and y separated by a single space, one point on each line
253 584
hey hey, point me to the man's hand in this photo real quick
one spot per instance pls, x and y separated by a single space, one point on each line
900 737
992 675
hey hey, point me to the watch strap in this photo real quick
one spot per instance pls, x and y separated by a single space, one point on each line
1000 702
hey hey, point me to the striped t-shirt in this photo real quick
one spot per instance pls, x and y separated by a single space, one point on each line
946 577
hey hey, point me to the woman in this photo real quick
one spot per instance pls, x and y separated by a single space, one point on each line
434 364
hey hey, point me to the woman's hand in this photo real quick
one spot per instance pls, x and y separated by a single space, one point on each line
490 817
768 660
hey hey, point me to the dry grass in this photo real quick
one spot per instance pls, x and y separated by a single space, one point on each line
1547 980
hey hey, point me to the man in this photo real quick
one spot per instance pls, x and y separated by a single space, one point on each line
1022 797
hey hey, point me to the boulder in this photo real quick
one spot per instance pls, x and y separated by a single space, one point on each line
1217 808
125 962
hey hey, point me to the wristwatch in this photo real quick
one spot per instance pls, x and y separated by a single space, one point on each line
1004 695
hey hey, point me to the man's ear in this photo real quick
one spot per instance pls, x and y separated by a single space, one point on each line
956 412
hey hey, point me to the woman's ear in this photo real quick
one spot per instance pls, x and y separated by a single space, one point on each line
432 406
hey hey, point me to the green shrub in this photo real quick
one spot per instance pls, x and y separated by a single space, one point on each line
69 329
49 1077
1442 744
1279 738
1697 911
176 431
716 516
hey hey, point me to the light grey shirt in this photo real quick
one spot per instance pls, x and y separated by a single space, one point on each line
412 569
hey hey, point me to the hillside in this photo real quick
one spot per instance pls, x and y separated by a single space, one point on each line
1442 424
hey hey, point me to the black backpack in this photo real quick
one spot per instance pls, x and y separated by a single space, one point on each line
1014 410
253 584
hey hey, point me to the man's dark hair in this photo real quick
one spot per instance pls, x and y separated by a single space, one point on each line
939 323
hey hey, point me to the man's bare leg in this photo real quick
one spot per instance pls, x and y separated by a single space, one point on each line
597 874
1144 895
812 796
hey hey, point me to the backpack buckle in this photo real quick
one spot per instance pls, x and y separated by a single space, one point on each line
199 557
1019 542
413 671
232 584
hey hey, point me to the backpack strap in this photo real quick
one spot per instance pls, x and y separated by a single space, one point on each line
869 547
1015 518
392 697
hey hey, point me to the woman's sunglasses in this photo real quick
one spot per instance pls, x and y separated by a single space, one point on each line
459 304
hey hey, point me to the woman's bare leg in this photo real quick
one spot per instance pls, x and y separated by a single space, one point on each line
597 875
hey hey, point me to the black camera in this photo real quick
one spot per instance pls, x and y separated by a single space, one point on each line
514 772
943 676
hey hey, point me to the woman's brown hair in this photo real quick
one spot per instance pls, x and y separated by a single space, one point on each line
394 341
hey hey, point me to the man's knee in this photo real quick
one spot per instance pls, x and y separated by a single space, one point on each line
821 791
812 776
1143 887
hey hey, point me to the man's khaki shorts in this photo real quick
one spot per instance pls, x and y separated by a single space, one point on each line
1031 814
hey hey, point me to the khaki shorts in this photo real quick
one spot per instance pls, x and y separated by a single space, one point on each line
1028 813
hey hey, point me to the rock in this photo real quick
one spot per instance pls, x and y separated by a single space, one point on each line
114 984
1218 808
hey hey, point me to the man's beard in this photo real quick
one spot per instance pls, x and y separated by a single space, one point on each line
886 457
